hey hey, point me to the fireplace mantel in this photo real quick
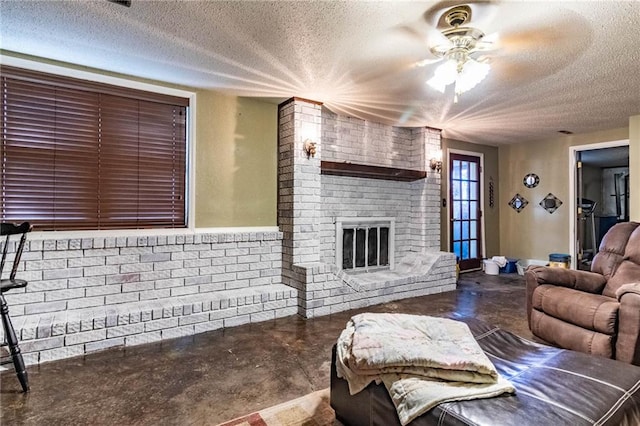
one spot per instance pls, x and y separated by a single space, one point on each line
372 172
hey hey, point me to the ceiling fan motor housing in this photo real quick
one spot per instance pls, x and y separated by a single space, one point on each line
463 40
458 15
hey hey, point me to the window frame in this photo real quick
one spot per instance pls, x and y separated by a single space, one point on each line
128 83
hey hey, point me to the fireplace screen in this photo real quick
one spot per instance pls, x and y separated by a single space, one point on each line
364 245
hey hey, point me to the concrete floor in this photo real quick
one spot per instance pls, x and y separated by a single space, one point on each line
216 376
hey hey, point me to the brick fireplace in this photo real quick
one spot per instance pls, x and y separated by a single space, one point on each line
93 292
362 172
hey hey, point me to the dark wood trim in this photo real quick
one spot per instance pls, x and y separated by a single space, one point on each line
310 101
372 172
283 103
466 265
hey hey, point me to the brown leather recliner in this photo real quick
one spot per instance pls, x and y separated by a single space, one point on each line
596 312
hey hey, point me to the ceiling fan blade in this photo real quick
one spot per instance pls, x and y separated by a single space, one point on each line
422 34
527 50
531 54
398 50
483 46
126 3
492 38
440 50
555 28
425 62
538 38
435 37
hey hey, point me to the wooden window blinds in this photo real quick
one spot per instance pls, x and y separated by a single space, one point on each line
84 155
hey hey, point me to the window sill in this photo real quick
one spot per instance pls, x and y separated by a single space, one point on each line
63 235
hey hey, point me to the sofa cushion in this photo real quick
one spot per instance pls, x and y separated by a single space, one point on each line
591 311
570 278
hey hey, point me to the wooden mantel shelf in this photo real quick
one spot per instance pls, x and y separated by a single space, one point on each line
371 172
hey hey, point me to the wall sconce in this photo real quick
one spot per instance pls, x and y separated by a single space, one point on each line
310 148
436 161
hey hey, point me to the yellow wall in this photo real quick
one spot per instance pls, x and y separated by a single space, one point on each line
236 172
236 161
534 233
491 214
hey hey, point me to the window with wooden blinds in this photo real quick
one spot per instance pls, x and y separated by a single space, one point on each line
83 155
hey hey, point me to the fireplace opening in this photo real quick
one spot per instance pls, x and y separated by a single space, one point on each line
364 244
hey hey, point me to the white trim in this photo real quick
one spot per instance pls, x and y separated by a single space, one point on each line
573 150
132 84
481 183
92 76
64 235
191 163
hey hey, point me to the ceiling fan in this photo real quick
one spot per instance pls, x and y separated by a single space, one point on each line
455 45
462 50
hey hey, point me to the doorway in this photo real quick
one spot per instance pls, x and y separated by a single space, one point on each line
600 196
465 209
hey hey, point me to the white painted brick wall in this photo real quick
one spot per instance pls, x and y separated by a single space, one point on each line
329 293
358 141
414 205
131 270
358 197
91 294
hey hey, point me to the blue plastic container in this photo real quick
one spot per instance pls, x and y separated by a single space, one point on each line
510 267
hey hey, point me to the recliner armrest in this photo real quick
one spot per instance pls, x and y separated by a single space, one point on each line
628 288
580 280
587 281
628 341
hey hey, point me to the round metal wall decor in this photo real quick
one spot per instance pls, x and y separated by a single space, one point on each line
531 180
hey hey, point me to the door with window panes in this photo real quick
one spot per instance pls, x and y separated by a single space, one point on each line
465 212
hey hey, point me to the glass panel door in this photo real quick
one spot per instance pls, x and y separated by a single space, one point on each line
465 212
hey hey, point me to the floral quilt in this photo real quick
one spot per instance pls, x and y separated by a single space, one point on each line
422 361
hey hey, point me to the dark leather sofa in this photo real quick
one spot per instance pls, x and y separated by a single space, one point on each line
554 387
597 311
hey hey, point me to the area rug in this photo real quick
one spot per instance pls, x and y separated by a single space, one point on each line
310 410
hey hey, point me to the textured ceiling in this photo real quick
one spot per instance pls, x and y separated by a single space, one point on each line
559 65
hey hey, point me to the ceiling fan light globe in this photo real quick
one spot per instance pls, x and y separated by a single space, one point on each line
464 66
447 71
471 74
444 75
436 84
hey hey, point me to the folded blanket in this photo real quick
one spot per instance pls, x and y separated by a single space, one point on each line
422 361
